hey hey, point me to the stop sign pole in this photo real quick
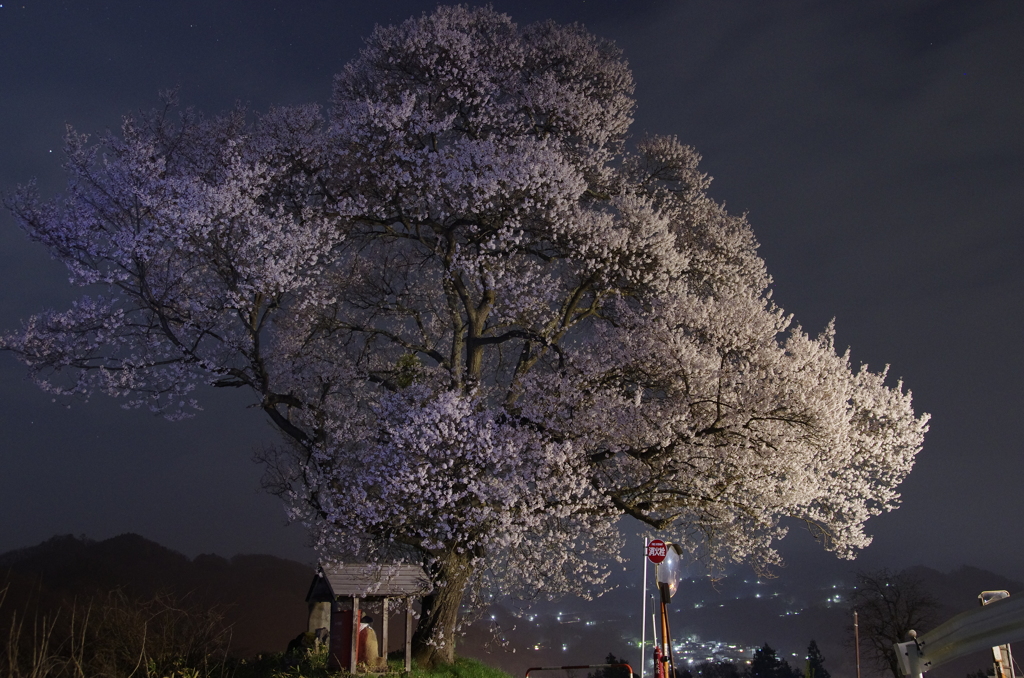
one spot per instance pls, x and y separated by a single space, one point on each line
657 552
643 619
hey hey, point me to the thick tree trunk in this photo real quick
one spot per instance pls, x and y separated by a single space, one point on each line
433 643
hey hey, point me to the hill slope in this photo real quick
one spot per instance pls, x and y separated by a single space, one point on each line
262 597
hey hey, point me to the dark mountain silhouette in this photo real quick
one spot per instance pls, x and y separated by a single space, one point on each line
262 597
958 590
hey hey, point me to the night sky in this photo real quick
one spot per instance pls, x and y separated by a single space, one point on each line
878 147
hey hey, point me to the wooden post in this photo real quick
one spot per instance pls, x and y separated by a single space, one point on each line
384 633
856 641
408 634
355 633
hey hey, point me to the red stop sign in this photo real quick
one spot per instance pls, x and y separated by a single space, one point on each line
656 550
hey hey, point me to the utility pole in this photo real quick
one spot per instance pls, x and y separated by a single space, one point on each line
856 641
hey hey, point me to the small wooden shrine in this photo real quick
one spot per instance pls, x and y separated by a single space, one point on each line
340 594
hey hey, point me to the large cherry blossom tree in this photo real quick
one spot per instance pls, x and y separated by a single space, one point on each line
487 323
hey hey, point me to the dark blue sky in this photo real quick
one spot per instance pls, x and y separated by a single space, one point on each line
878 147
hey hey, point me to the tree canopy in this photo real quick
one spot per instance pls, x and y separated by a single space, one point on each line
889 604
767 664
487 322
815 666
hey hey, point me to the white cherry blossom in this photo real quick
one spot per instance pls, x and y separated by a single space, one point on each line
486 324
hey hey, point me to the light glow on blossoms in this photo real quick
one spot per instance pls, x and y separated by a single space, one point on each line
487 323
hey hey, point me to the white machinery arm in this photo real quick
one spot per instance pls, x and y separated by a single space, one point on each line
997 623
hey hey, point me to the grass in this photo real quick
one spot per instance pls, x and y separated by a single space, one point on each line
314 665
462 668
114 636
